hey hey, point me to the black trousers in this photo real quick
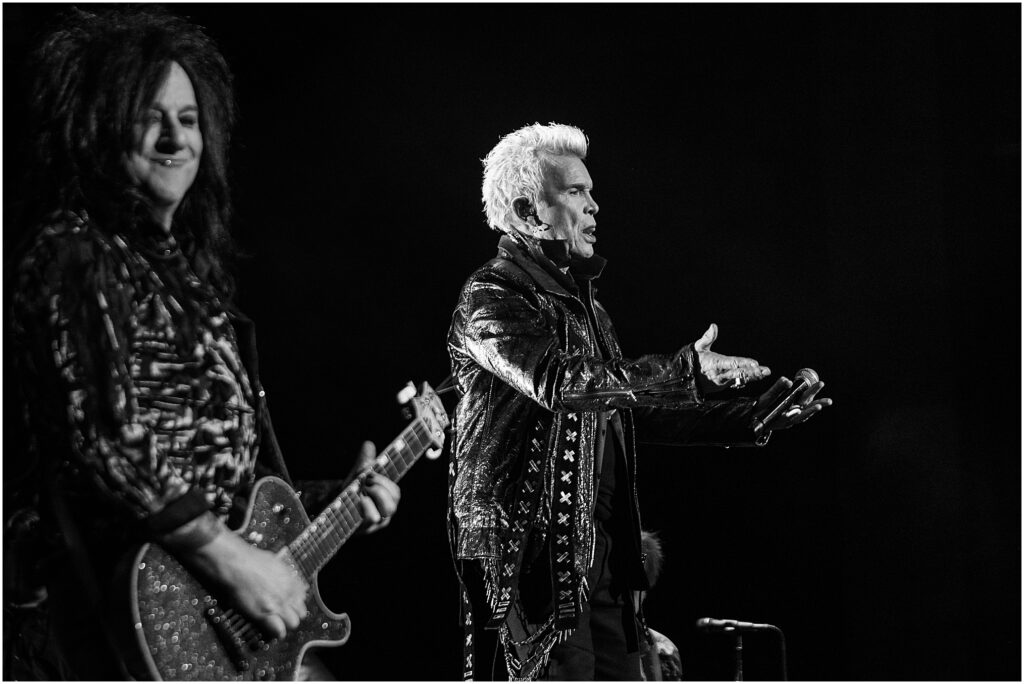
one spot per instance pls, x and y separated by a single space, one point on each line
604 647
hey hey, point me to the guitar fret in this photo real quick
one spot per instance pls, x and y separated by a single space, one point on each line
343 516
336 537
391 470
272 516
347 518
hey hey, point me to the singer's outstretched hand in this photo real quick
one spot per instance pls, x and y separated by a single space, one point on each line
718 371
803 408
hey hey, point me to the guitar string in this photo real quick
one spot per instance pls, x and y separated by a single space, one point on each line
309 550
347 515
237 625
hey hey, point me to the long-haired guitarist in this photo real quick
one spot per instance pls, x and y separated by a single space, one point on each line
148 421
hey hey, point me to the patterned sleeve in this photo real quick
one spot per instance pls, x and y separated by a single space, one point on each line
73 312
504 328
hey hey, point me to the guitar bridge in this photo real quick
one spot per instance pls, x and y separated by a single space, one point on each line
235 634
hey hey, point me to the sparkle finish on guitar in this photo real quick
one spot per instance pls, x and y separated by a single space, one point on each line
182 632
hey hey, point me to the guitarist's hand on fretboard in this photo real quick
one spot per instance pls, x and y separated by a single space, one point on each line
211 617
259 584
380 495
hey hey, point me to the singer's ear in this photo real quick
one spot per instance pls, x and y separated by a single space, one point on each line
524 208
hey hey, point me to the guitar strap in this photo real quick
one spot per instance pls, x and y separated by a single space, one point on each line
270 452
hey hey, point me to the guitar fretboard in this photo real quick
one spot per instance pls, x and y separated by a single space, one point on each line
328 532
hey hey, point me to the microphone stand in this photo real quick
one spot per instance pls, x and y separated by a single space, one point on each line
782 652
739 657
738 650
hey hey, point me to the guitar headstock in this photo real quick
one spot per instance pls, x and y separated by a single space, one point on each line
427 407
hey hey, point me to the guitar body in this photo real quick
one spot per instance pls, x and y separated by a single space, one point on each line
180 631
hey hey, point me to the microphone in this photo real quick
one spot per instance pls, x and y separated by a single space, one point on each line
526 210
712 625
540 224
805 377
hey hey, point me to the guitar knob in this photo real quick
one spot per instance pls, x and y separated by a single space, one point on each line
406 393
277 508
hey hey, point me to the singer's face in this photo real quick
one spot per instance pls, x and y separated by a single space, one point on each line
567 205
168 144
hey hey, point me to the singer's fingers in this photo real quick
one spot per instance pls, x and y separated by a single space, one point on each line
740 362
744 375
798 414
707 339
807 414
807 396
816 408
775 392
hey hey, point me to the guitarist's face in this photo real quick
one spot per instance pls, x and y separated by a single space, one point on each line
168 145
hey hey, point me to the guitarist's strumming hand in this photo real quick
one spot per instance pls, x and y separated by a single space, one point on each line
380 495
225 578
258 583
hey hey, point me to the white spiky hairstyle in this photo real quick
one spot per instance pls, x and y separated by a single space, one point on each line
515 167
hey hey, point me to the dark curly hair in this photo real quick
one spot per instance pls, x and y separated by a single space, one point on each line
95 75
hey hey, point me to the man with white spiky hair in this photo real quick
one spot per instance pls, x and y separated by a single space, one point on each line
543 518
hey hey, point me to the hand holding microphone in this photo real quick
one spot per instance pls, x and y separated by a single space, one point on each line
784 405
787 403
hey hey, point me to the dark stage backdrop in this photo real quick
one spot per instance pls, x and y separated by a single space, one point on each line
836 186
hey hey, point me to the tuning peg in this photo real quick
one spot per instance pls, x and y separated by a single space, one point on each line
406 393
433 453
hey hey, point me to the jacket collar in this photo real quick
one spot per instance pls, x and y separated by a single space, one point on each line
535 258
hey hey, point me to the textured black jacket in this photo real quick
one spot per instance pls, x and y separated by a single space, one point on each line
535 382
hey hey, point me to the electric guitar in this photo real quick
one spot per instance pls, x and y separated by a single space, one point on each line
181 630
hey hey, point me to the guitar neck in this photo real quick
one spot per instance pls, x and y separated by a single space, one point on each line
331 529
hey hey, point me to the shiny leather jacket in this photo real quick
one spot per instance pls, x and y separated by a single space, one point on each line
534 387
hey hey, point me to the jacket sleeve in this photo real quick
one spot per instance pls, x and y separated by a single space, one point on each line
70 313
709 422
713 423
506 332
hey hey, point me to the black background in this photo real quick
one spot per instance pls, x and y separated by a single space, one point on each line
837 186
